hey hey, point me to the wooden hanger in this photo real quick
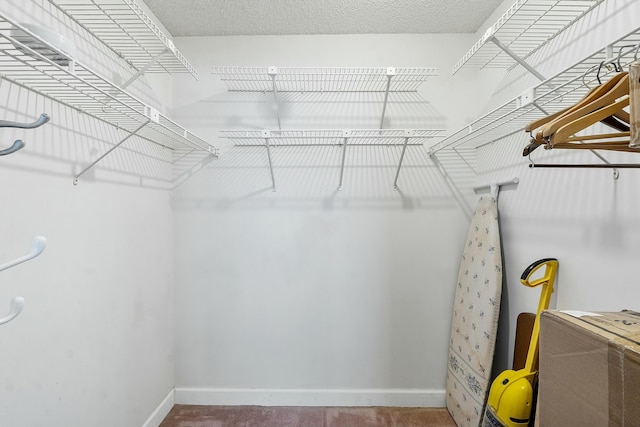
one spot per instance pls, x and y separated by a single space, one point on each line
592 94
599 136
619 121
544 120
620 89
567 129
616 123
612 146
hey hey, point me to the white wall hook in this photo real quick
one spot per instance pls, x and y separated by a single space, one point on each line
38 245
494 187
17 304
44 118
17 145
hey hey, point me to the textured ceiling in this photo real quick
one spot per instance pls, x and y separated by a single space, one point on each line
271 17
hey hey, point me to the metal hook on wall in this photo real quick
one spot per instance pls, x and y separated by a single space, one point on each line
37 246
17 303
44 118
17 145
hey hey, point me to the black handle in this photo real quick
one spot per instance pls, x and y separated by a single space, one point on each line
533 266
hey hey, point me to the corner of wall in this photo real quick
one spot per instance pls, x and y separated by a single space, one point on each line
161 411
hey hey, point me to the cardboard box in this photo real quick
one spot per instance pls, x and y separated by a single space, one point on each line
589 369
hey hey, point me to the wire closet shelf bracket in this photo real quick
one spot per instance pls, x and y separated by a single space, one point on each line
332 137
33 63
125 28
554 94
275 80
324 80
522 30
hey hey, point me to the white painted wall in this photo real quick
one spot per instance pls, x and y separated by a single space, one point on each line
94 344
308 295
583 217
244 280
303 296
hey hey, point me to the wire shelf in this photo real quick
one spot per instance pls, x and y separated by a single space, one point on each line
558 92
127 29
524 28
323 79
29 61
384 137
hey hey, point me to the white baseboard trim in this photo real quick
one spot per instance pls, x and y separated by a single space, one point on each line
161 411
307 397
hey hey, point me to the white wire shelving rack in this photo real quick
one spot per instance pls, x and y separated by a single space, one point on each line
30 62
332 137
324 80
552 95
126 29
522 30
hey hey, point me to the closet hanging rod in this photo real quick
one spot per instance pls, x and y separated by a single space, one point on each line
586 166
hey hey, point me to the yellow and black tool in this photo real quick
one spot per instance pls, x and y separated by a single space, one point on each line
511 395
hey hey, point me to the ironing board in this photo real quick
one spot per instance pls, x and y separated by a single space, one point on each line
475 317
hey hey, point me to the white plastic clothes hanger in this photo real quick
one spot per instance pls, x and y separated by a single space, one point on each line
17 303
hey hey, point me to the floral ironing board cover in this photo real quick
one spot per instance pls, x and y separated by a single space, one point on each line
475 317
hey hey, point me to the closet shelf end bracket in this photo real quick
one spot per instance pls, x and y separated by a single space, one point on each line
85 170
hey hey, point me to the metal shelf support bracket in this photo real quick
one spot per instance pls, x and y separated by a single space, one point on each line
391 71
345 136
95 162
273 72
408 134
144 69
266 134
512 54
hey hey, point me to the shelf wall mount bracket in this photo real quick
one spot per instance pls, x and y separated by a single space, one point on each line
489 36
273 73
345 139
266 134
460 199
144 69
95 162
391 71
408 134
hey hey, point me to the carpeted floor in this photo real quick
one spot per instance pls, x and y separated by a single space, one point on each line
270 416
